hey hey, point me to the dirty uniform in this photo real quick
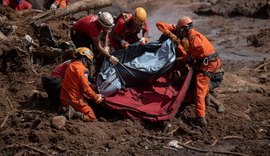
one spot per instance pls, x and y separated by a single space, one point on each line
84 30
198 47
207 62
75 86
126 30
17 5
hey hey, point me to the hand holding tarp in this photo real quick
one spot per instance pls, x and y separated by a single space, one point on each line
124 44
113 60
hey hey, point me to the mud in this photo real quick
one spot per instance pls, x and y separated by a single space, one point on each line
239 36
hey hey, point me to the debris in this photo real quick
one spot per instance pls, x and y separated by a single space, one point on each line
170 148
4 121
72 8
174 143
9 102
232 137
265 63
58 122
2 36
156 137
214 143
30 147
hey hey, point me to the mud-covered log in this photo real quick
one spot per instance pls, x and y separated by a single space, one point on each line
83 5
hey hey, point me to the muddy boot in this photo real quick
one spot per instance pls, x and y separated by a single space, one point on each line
71 113
201 121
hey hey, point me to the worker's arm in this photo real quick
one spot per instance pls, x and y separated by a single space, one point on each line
84 85
118 29
106 38
165 28
145 31
104 52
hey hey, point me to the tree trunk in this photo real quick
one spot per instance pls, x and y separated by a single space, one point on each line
83 5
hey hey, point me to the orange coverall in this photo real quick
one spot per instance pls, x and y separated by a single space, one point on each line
199 48
75 86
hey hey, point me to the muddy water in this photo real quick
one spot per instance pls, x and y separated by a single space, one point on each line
228 35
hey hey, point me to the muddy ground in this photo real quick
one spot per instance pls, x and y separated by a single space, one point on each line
239 30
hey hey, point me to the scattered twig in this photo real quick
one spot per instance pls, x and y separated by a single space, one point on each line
209 151
172 132
4 121
197 127
156 137
30 147
214 143
9 102
232 137
249 107
30 82
170 148
262 65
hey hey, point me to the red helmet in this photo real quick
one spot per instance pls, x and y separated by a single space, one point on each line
183 22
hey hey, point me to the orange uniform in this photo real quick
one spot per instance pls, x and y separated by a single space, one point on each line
75 87
198 48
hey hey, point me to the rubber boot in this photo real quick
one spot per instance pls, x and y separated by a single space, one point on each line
71 113
201 121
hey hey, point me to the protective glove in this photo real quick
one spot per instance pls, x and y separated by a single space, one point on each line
99 99
143 40
124 44
53 6
113 60
172 37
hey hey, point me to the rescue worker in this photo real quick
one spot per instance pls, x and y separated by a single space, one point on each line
192 47
86 32
17 5
75 85
59 4
126 29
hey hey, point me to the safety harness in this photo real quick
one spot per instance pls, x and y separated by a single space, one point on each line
205 61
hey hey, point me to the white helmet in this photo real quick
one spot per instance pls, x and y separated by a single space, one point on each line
105 19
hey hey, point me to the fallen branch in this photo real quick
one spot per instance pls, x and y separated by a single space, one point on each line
30 147
262 65
209 151
232 137
249 107
170 148
4 121
83 5
156 137
172 132
214 143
